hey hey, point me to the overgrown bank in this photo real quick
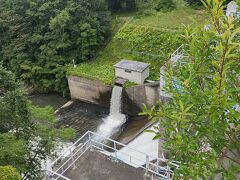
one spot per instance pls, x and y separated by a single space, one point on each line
149 39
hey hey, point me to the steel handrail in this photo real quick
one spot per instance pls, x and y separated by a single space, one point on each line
59 175
73 145
73 155
94 142
164 160
157 158
177 50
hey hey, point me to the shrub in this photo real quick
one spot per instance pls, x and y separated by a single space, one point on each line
130 5
9 173
149 40
194 3
165 5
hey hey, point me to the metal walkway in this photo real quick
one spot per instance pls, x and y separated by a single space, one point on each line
159 167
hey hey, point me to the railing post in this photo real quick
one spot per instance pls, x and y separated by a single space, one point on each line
147 164
168 172
157 166
115 149
90 139
46 172
73 162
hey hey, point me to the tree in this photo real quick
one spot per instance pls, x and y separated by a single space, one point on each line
9 173
27 133
200 122
165 5
131 5
114 5
117 5
38 39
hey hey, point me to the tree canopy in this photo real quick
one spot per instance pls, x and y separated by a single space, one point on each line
38 38
27 133
117 5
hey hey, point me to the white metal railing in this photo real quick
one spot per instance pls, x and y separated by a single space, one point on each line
178 54
160 167
176 57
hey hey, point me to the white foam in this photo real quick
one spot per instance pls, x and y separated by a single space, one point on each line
116 119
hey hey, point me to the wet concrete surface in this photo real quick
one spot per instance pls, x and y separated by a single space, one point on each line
94 165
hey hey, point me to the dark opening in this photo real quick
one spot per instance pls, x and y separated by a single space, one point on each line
128 71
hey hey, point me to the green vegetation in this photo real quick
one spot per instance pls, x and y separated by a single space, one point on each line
120 5
200 123
38 38
39 43
172 20
165 5
129 84
150 39
9 173
27 133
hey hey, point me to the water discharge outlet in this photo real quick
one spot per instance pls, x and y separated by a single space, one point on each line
113 122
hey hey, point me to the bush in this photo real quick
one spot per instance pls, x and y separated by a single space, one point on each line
130 5
9 173
165 5
194 3
149 40
38 52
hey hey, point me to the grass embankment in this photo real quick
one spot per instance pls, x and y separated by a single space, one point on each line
149 39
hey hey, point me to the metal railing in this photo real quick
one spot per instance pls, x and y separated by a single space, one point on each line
177 57
178 54
159 167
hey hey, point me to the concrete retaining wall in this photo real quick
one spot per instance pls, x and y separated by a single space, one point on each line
134 97
89 90
98 93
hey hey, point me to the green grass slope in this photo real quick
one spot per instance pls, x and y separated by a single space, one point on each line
149 39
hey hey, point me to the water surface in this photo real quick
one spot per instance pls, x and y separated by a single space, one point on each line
85 117
43 100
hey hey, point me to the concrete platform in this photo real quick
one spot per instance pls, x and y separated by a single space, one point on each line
94 165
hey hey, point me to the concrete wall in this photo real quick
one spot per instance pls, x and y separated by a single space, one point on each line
134 97
89 90
99 93
133 76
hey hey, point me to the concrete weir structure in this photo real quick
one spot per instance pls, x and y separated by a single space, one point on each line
96 92
133 71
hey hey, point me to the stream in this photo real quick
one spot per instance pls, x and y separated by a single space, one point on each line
84 116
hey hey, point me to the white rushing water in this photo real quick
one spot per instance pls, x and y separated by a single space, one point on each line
116 119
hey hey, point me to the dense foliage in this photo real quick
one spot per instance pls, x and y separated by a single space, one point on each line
9 173
149 41
27 133
200 123
38 38
194 3
119 5
146 44
165 5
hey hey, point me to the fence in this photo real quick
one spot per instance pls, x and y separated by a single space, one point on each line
159 167
177 57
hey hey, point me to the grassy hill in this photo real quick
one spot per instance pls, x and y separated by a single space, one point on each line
149 39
